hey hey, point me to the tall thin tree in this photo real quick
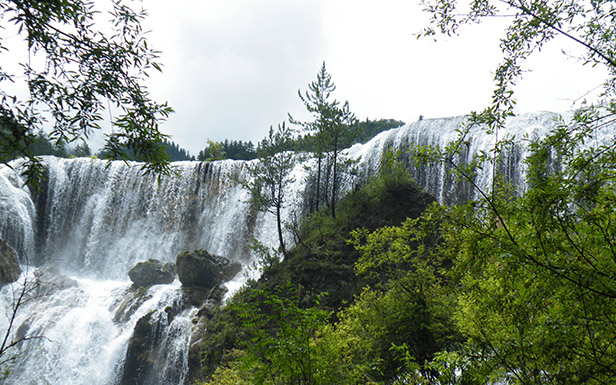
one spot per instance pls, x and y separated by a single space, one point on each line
271 175
331 124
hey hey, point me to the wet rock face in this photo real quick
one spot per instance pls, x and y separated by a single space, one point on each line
9 264
152 272
140 361
204 270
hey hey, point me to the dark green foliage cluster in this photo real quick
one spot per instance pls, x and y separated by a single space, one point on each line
176 153
172 152
239 150
362 131
229 149
324 260
319 276
41 145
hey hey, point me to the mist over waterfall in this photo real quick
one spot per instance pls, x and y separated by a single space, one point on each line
102 220
84 230
93 221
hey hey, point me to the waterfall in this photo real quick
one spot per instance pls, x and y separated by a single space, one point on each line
101 219
93 221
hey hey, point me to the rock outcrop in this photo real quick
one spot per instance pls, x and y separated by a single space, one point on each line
152 272
9 264
204 270
202 276
140 361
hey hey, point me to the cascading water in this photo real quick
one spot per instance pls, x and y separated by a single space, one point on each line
93 221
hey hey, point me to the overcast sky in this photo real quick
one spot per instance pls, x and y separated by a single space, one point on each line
232 68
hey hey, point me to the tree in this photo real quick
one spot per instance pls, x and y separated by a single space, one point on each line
213 151
72 70
82 150
239 150
536 272
176 153
330 128
285 343
532 25
270 176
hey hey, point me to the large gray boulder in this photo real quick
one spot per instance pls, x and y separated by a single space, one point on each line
152 272
9 264
204 270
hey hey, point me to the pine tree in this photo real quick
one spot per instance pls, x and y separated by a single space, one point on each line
332 125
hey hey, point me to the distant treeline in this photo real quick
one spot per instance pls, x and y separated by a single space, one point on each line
41 144
44 145
228 149
240 150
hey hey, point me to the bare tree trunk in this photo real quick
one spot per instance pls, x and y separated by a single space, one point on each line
334 179
279 223
318 193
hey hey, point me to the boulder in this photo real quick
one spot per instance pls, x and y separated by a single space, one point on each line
204 270
49 281
147 359
152 272
9 264
140 357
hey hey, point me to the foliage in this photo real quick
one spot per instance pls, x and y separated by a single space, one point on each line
283 344
176 153
331 127
42 145
229 149
82 150
271 175
213 151
405 307
536 272
287 344
532 25
239 150
322 262
70 68
410 303
368 129
362 132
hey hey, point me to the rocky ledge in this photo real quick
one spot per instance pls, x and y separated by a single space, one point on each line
152 272
204 270
202 275
9 264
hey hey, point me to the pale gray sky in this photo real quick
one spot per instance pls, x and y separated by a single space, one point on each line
232 68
